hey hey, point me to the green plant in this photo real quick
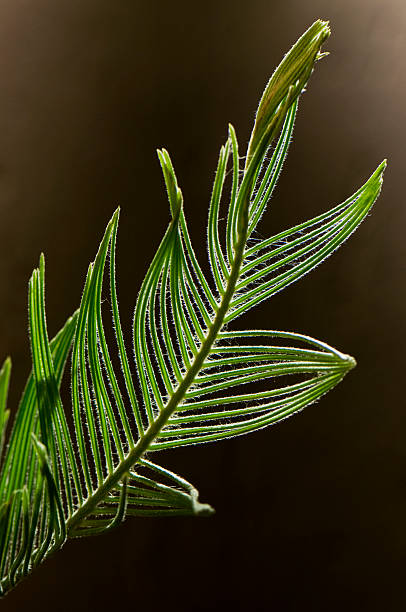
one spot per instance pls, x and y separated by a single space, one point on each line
61 480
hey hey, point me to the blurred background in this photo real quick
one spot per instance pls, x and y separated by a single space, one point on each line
311 513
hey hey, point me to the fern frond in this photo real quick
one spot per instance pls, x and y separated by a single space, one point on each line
198 381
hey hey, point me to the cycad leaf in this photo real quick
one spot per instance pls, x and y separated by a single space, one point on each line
198 380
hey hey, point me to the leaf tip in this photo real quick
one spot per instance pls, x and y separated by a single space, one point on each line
231 130
350 362
378 174
323 29
347 362
286 85
174 193
6 367
203 509
200 509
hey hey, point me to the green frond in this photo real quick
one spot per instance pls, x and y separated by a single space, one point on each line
194 379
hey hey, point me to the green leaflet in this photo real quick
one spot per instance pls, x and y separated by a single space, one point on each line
195 380
4 414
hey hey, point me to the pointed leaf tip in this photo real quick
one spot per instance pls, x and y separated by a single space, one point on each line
174 193
382 166
116 214
378 174
348 362
6 367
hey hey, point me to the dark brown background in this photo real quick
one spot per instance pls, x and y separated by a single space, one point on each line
311 514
